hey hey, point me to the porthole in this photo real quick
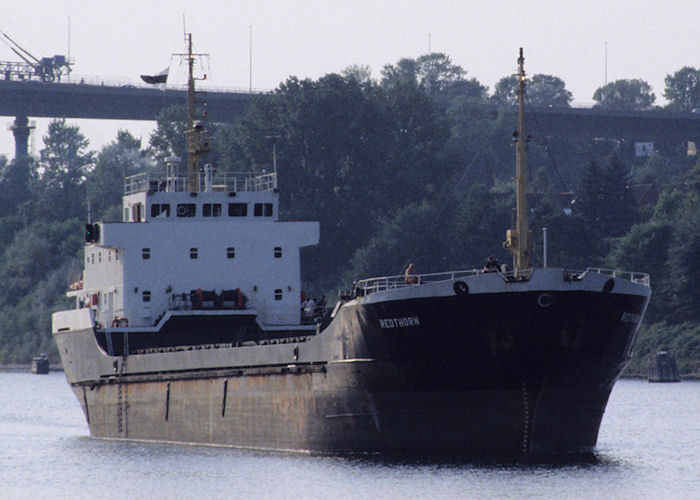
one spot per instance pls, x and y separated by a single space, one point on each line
278 252
230 253
194 253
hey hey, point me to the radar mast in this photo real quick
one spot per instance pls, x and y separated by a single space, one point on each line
518 238
197 144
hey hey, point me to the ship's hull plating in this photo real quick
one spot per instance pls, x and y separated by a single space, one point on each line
458 373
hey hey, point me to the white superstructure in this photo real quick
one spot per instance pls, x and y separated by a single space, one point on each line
175 248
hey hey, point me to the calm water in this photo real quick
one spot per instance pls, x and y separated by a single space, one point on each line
649 447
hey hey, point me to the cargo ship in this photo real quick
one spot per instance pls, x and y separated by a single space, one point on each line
187 328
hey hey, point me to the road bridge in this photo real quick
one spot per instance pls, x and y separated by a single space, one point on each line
658 126
23 99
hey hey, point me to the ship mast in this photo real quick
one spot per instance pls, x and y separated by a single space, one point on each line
518 238
196 143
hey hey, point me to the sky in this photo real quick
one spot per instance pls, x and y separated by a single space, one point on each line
118 41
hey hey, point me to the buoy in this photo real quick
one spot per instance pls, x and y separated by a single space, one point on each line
662 368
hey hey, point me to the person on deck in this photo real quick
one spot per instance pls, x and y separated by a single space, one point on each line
410 276
491 265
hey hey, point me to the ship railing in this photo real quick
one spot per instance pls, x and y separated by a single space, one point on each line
633 276
224 181
371 285
382 283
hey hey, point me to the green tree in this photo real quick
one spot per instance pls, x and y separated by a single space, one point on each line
16 177
436 75
117 160
605 203
168 138
541 90
548 90
64 164
683 89
625 94
363 73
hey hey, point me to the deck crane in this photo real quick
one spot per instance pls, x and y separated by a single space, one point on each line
46 69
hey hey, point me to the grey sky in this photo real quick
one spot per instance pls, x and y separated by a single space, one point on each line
120 40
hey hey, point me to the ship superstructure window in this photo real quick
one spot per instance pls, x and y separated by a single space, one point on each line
146 253
262 209
146 296
211 210
278 294
186 209
160 210
278 252
237 209
230 253
194 253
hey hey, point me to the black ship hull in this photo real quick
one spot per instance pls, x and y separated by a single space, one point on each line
433 369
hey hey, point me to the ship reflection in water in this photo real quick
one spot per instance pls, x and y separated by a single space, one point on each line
649 447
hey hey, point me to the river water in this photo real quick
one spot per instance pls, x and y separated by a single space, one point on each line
649 447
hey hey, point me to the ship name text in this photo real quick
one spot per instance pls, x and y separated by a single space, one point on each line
399 322
630 318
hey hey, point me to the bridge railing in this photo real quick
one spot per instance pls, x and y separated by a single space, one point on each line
113 81
224 181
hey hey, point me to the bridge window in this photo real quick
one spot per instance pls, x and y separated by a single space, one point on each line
211 210
262 209
194 253
230 253
237 209
146 253
160 210
278 294
186 209
278 252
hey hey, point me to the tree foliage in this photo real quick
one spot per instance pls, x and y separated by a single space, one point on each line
116 161
541 90
63 166
625 95
683 89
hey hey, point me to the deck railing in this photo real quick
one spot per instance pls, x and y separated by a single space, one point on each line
634 277
382 283
225 181
371 285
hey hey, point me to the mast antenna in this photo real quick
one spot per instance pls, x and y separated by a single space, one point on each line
197 145
518 238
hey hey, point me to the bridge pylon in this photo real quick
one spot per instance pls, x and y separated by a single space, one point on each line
21 128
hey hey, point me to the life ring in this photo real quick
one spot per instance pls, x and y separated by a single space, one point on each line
460 287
